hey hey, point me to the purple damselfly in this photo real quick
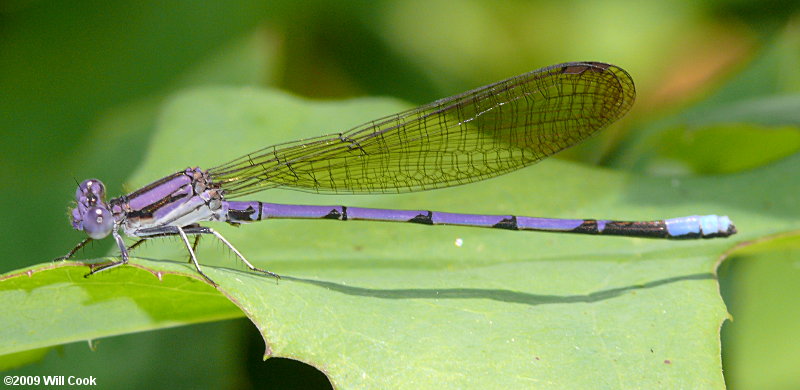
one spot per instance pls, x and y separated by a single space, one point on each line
482 133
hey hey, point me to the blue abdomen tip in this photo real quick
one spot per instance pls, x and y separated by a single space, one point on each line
700 226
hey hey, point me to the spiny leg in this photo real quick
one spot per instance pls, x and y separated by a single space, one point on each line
165 231
137 243
104 267
194 246
123 253
100 268
207 230
157 232
186 229
192 256
117 263
75 249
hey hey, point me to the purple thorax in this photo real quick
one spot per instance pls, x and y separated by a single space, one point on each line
180 199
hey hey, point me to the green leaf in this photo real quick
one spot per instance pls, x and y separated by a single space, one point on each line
54 304
22 358
385 305
764 304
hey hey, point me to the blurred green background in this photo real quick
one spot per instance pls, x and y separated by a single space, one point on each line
76 79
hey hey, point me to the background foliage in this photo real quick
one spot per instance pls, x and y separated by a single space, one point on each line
84 83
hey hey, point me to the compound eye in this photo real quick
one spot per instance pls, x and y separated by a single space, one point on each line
91 187
97 222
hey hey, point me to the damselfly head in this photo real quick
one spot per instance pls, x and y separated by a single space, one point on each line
91 213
